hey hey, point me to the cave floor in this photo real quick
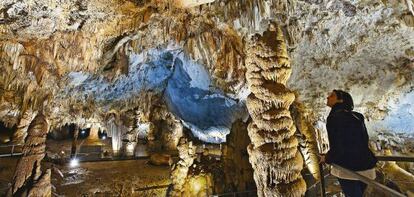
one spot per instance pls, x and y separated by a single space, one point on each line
109 178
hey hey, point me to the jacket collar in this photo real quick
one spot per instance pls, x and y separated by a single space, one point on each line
338 107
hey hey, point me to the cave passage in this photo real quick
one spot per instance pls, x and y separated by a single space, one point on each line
186 87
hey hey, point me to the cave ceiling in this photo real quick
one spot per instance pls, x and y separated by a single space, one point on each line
82 60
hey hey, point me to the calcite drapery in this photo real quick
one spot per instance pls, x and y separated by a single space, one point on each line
273 151
28 179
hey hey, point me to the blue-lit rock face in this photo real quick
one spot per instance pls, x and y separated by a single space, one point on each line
152 75
208 114
185 86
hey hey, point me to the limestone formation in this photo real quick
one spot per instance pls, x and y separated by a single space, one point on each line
308 142
28 179
92 59
186 153
20 134
74 148
402 178
273 152
237 169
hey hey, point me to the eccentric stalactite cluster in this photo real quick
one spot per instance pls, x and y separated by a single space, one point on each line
273 153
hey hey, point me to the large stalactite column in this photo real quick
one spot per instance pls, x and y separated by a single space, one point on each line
273 151
28 178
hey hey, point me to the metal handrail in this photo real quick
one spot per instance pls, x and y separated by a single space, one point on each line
369 181
8 145
232 193
12 153
395 158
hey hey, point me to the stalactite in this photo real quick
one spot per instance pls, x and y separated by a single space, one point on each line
28 178
309 145
273 152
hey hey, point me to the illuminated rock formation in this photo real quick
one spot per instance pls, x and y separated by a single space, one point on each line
273 152
20 134
308 142
179 173
28 179
402 178
237 169
94 59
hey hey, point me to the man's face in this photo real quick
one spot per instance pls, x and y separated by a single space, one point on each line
332 99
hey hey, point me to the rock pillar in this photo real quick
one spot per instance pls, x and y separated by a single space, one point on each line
273 151
187 154
28 178
21 132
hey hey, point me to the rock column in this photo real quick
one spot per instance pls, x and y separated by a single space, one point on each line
187 154
28 178
74 142
273 151
21 132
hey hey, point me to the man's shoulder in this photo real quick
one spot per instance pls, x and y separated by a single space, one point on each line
340 114
359 115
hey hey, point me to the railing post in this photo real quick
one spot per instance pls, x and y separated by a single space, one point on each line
12 150
323 194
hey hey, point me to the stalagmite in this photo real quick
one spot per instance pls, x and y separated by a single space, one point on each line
28 179
273 152
238 172
131 135
74 142
93 134
186 153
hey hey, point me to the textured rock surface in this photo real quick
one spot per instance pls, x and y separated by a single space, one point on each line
273 151
308 142
365 47
28 178
362 45
179 173
83 61
236 166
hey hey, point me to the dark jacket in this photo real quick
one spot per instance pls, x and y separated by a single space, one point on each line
348 140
